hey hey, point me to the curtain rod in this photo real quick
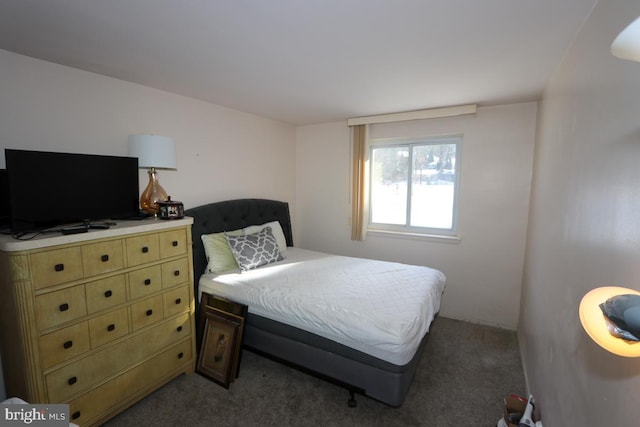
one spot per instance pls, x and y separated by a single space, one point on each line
431 113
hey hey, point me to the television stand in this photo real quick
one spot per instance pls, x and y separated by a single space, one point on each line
140 337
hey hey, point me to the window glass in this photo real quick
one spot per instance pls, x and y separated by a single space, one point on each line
414 185
390 168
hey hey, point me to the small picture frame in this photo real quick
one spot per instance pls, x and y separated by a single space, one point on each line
220 336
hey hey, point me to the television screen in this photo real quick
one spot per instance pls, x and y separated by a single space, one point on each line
4 199
48 189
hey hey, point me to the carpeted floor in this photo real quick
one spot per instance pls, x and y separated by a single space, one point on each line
465 372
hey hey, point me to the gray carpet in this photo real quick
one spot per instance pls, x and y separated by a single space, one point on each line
465 372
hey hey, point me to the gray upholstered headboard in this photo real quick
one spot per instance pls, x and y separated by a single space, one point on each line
232 215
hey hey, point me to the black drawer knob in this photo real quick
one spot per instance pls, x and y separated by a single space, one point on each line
145 249
72 380
64 307
75 415
104 258
108 294
59 267
176 273
179 329
68 344
111 327
147 282
174 243
149 312
180 355
178 301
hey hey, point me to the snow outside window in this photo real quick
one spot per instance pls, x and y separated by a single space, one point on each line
414 185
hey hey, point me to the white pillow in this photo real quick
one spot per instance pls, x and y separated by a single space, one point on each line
276 229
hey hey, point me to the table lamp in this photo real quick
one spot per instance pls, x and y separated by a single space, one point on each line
153 152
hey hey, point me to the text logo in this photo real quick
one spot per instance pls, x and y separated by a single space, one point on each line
40 415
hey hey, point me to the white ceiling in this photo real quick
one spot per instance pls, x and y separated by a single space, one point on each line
307 61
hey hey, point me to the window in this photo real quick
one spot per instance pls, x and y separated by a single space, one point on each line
414 185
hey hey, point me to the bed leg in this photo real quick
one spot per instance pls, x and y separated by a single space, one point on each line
352 402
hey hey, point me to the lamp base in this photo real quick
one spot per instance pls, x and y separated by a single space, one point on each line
153 194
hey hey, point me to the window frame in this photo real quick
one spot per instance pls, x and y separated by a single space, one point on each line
407 229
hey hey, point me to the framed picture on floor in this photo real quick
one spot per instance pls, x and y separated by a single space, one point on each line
227 309
217 356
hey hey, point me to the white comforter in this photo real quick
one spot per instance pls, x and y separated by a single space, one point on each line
380 308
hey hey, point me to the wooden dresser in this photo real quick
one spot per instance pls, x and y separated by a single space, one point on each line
97 320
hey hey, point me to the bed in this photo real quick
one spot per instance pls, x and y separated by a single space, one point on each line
377 356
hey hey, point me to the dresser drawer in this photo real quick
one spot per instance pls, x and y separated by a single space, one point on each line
175 272
142 249
145 281
109 326
173 243
176 301
102 257
61 306
55 267
105 293
86 408
64 344
146 312
68 381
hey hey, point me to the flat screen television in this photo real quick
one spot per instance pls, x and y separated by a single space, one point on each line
48 189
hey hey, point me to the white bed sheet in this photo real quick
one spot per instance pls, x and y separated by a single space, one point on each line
380 308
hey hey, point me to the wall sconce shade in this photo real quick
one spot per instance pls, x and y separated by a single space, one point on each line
153 152
603 330
622 313
627 44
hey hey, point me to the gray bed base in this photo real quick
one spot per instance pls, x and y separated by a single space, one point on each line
356 371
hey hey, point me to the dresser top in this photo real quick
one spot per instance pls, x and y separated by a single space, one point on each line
121 228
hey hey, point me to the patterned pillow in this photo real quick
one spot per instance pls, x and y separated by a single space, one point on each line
276 229
254 250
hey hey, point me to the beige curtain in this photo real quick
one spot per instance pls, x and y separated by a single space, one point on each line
358 190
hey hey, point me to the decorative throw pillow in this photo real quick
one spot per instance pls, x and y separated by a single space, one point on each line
276 229
254 250
220 259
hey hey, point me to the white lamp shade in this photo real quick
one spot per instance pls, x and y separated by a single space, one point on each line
627 44
595 324
153 151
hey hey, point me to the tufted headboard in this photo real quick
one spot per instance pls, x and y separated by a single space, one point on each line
232 215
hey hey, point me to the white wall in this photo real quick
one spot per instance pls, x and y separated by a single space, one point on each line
484 270
584 227
222 153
